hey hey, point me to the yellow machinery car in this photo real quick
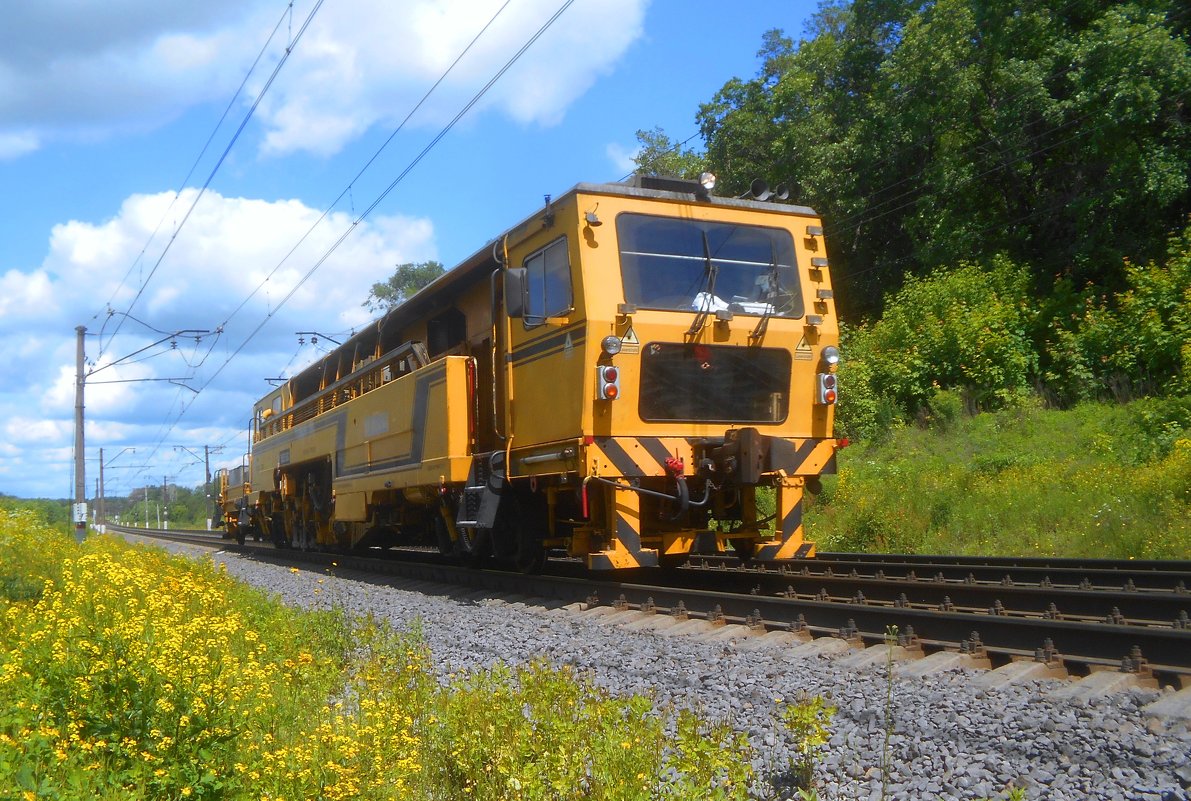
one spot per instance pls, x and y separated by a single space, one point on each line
616 376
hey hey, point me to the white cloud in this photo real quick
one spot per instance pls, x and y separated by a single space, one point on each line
622 157
25 430
67 71
226 251
25 294
334 92
15 144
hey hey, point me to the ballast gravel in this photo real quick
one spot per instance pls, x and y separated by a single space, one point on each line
947 739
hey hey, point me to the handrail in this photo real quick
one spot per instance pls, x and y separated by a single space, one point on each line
370 376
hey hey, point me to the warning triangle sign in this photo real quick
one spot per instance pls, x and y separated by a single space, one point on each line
803 351
630 337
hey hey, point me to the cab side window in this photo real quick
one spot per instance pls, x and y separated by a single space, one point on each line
549 277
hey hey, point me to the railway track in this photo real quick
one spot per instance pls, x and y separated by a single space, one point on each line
1076 615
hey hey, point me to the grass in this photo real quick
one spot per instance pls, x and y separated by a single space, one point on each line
129 674
1098 480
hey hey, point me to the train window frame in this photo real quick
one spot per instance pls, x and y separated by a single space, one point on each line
536 273
692 296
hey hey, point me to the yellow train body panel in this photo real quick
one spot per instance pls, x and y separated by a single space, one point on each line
411 431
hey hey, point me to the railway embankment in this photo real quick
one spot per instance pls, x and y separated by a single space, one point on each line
949 732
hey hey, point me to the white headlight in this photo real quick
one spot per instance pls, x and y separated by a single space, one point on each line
611 345
831 355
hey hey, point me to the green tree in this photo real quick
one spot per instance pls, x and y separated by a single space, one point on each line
56 513
964 331
406 280
1136 342
930 132
661 156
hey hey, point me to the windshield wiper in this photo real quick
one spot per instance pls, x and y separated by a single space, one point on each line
708 292
772 289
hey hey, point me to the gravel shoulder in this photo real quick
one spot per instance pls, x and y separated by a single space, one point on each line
948 739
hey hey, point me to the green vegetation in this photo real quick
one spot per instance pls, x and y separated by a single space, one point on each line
980 333
1099 480
809 723
181 506
956 399
55 513
126 673
926 133
1006 201
399 287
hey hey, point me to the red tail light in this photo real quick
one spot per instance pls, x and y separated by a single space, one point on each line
607 382
828 388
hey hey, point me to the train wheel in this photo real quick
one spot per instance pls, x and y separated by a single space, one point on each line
442 537
672 561
277 529
522 519
530 556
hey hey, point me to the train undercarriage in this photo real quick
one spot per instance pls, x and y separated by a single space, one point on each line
726 503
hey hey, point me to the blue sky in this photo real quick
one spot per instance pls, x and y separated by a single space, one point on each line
104 109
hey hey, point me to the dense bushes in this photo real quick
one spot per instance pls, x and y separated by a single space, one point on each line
966 329
1136 343
980 333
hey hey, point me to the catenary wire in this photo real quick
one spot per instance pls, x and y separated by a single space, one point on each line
197 160
219 163
347 189
376 202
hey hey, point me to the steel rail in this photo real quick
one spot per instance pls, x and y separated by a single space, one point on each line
982 597
1081 574
1089 644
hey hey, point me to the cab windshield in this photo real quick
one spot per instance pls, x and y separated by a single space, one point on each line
691 265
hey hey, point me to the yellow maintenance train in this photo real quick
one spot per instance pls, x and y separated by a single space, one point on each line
615 377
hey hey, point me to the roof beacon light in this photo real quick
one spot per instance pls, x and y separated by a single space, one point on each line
707 181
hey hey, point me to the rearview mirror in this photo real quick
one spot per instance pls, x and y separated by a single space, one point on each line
516 292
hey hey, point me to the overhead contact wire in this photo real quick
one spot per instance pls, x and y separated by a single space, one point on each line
446 129
235 137
393 185
347 190
231 102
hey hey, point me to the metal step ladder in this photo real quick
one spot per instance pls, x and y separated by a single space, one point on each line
481 496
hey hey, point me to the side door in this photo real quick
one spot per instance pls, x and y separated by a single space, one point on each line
547 347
